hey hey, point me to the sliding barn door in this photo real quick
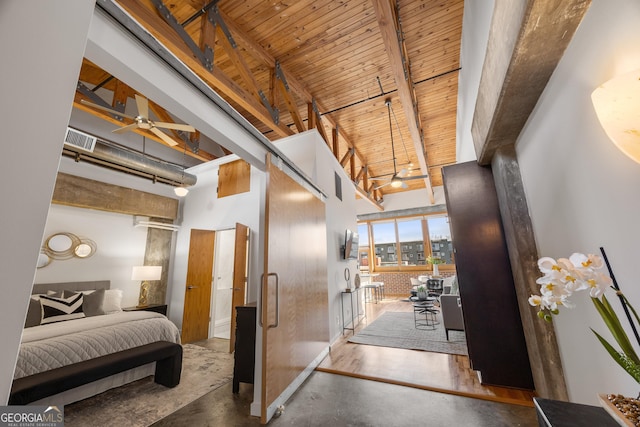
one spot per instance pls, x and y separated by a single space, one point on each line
294 303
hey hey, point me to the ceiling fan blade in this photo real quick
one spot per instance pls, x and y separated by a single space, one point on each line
143 106
126 128
402 173
382 185
108 110
163 136
177 126
409 178
380 179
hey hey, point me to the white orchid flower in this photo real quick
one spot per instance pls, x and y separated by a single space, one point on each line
535 300
598 284
590 261
547 264
577 280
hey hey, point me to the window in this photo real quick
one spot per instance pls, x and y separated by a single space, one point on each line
440 237
409 234
405 243
363 236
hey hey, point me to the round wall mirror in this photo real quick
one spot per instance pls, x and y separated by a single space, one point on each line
85 249
43 260
61 245
59 242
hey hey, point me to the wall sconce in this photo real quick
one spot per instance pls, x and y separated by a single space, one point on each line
146 273
617 104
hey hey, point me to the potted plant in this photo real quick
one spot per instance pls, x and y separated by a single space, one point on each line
421 292
562 278
434 261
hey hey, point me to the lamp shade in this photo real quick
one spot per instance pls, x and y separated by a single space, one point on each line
147 272
617 104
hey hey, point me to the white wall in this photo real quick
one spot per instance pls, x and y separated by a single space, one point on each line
39 70
476 21
312 155
403 200
582 191
120 246
201 209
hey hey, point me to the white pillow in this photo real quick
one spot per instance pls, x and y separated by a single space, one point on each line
112 301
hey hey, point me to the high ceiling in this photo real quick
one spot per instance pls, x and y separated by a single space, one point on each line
326 64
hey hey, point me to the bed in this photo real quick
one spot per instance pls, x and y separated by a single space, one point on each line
100 342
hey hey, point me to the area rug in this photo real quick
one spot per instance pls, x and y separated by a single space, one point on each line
397 329
143 402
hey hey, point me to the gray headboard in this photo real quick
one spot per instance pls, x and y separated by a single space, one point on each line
42 288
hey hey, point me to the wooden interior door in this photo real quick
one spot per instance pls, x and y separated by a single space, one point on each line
294 296
240 258
197 294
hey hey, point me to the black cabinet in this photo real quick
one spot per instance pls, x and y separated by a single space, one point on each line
245 347
495 338
554 413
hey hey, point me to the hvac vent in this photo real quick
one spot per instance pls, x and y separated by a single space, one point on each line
80 140
154 224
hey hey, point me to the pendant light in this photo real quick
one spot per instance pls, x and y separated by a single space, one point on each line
181 190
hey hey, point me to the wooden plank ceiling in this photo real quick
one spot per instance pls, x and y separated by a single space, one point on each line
341 62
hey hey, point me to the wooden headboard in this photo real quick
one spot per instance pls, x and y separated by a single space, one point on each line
42 288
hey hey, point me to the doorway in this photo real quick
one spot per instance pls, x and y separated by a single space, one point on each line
202 288
222 287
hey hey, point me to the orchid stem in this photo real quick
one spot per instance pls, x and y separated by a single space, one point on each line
622 299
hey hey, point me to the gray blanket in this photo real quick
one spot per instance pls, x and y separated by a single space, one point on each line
54 345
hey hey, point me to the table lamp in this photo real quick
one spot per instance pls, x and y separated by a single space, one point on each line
146 273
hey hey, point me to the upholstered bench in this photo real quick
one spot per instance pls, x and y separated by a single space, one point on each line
167 355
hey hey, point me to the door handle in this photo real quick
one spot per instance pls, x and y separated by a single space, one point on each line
264 280
192 287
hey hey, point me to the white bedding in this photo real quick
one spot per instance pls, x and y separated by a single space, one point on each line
54 345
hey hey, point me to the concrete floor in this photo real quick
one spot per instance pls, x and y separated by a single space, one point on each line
336 401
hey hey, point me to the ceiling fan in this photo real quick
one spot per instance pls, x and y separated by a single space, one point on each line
142 121
397 179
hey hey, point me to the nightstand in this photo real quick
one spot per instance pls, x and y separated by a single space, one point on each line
158 308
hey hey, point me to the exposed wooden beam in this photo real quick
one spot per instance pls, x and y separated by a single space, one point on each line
336 143
365 177
346 157
207 36
242 67
386 16
160 30
121 93
71 190
311 121
296 87
282 85
361 174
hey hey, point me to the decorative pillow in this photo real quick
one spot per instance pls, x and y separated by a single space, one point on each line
34 313
91 301
59 309
112 301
